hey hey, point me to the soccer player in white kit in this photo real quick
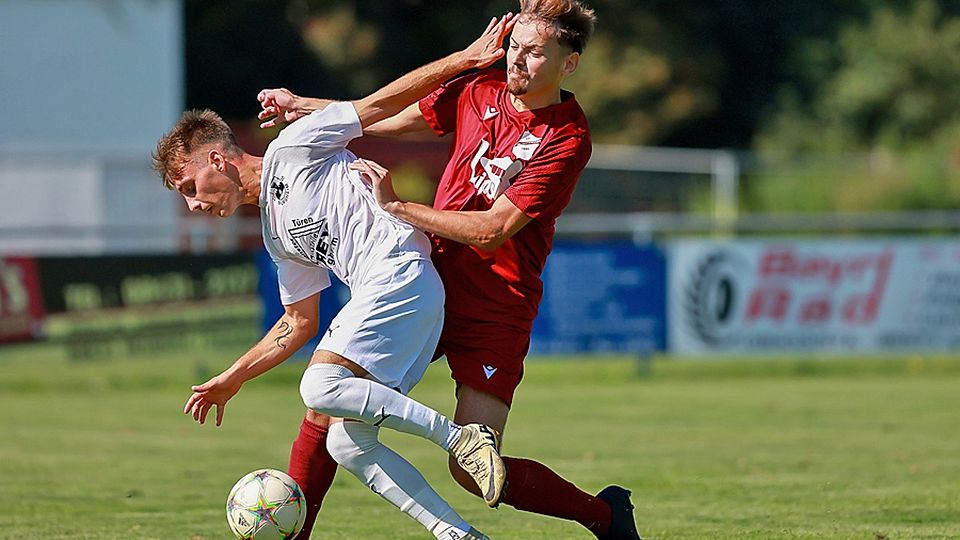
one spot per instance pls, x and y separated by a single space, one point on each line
319 215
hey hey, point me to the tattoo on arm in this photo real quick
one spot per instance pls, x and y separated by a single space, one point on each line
285 330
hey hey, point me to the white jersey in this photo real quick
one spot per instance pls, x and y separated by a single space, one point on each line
319 215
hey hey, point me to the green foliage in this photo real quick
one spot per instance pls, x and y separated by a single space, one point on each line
894 86
886 91
642 77
882 180
803 83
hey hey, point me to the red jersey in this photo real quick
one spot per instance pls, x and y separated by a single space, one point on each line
533 158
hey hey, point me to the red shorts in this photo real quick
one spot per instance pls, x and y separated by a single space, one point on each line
485 356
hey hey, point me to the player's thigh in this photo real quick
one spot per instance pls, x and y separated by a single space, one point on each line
389 328
321 356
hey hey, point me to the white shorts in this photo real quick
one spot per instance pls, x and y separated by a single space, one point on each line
391 324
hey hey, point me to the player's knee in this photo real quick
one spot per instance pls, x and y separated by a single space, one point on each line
319 388
314 398
462 478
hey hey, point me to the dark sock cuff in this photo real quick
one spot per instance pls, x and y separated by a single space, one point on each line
313 431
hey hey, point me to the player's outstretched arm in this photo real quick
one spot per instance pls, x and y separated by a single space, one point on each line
279 104
410 88
298 324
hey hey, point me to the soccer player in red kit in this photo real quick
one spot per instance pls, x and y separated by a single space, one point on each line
520 144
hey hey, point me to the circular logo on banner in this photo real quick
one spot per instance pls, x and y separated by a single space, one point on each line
712 296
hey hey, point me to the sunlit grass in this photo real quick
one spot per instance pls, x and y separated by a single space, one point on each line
788 448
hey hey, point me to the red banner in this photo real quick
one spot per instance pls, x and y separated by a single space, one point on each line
21 301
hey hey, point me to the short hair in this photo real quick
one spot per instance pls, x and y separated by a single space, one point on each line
195 129
571 22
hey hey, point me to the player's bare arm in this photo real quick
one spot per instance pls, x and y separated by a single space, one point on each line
487 229
396 96
409 120
295 327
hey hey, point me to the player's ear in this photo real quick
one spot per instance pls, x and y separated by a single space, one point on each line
570 63
215 158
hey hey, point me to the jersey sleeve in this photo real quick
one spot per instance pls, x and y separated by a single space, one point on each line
544 187
332 127
440 108
298 281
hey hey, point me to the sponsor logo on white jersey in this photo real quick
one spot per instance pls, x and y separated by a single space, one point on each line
491 176
490 113
489 371
312 240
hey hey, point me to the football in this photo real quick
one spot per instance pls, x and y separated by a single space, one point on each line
264 504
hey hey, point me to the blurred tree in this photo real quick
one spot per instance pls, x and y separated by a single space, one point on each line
235 48
887 83
695 72
332 48
655 73
886 88
701 73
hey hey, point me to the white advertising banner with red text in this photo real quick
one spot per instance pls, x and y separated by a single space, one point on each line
785 295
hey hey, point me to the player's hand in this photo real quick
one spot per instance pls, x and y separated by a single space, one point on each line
488 48
278 105
380 180
215 392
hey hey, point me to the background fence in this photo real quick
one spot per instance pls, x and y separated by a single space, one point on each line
680 276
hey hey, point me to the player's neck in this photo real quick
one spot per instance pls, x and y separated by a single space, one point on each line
251 168
532 102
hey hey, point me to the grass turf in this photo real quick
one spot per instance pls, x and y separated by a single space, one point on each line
789 448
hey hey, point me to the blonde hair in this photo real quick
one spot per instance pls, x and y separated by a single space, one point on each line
195 129
570 21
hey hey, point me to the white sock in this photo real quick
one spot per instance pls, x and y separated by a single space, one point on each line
355 446
334 390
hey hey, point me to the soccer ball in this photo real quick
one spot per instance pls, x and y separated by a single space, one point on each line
266 504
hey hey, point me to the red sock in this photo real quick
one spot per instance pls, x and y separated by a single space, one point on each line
533 487
313 468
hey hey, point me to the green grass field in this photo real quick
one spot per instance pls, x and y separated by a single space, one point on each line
843 449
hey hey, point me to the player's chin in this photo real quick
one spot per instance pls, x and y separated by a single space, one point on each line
517 88
516 85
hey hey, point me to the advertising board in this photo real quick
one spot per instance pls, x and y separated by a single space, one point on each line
602 297
72 284
858 296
